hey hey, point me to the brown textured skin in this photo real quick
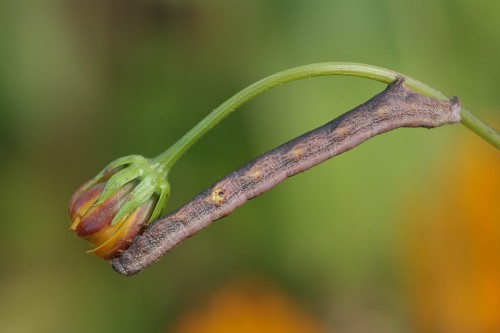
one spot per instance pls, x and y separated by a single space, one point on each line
395 107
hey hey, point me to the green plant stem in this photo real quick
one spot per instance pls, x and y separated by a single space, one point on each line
480 128
171 155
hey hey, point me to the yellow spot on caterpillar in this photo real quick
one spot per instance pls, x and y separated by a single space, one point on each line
297 152
181 218
218 195
255 174
381 112
341 131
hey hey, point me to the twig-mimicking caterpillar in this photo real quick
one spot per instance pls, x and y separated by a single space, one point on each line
397 106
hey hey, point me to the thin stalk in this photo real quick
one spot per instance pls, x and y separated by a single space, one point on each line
480 128
171 155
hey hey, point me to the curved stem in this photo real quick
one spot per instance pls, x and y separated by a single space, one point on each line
171 155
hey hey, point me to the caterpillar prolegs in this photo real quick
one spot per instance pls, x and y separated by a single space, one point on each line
397 106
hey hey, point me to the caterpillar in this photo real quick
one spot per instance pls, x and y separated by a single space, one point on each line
395 107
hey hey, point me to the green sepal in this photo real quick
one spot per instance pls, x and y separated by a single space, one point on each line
111 168
161 205
136 198
129 159
119 179
125 160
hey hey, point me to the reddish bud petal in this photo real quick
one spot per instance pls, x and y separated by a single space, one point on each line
126 229
98 218
83 202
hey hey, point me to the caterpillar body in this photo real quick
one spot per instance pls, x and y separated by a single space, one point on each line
395 107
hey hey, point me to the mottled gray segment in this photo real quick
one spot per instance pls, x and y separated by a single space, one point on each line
395 107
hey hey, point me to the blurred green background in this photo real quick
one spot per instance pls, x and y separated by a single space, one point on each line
85 82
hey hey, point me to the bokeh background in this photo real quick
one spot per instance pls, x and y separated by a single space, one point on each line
399 235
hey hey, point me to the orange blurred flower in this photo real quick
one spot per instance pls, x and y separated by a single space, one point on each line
453 244
248 308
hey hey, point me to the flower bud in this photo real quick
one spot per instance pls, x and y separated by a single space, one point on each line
113 207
